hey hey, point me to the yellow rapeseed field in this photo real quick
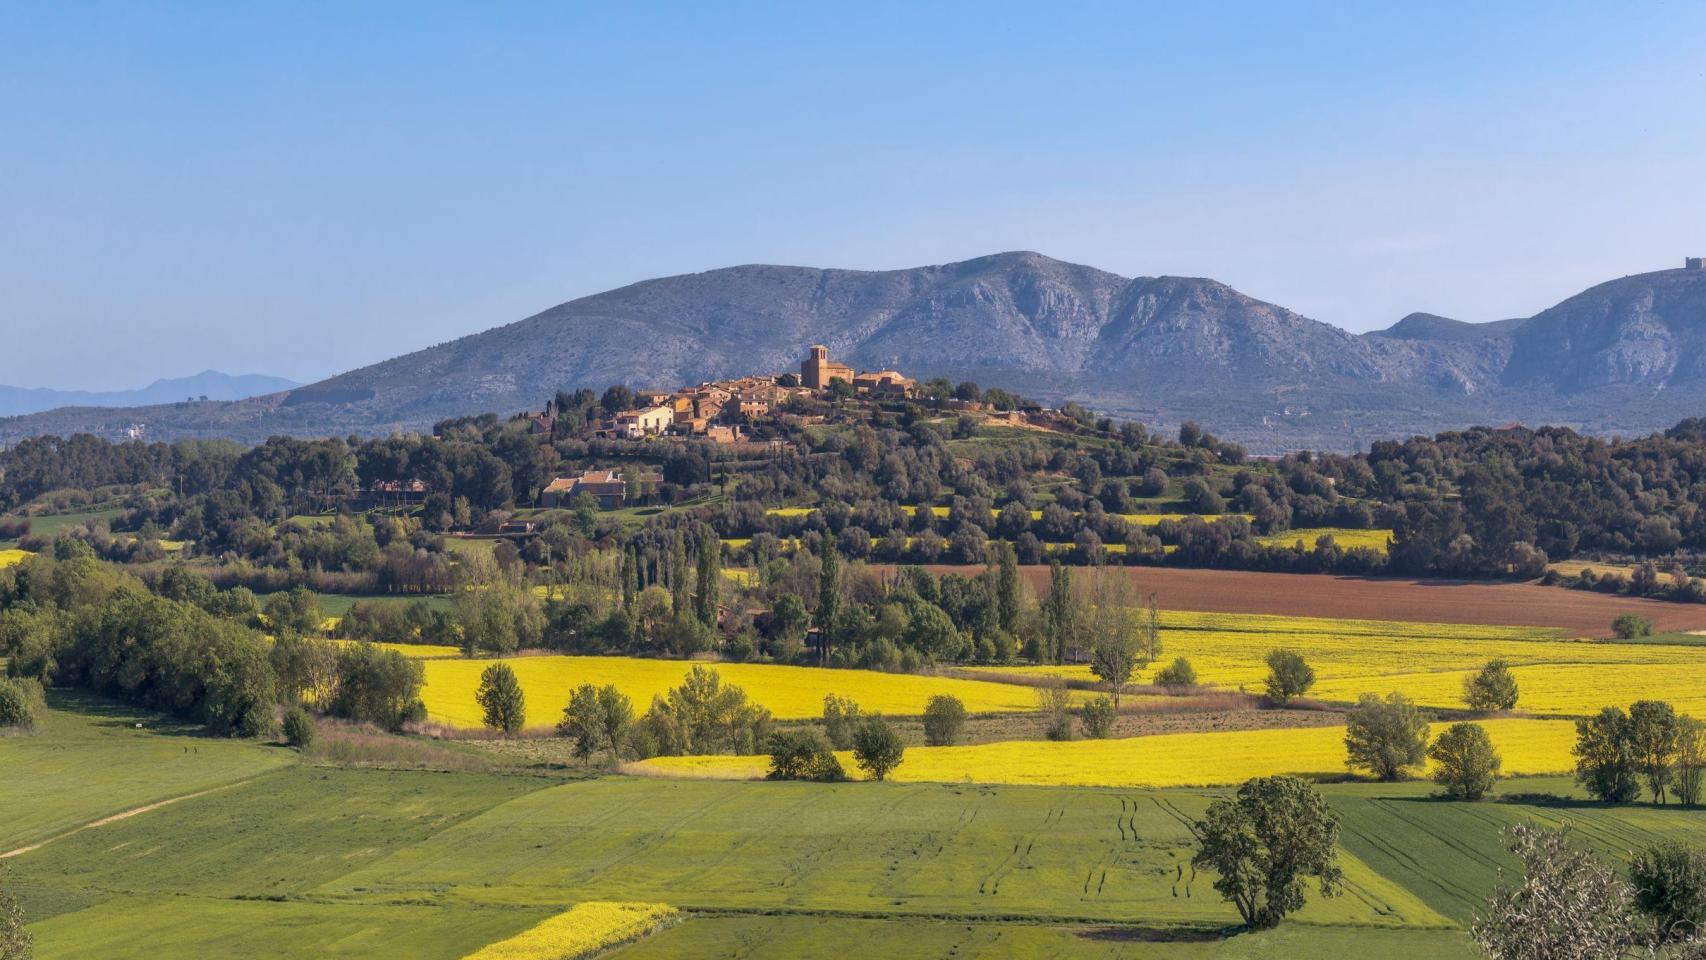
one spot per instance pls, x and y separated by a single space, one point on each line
581 931
1167 760
1424 661
10 557
1346 538
790 693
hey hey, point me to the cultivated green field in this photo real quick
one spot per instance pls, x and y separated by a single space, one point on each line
90 761
298 859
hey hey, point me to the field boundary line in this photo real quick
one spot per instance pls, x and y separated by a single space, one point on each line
125 815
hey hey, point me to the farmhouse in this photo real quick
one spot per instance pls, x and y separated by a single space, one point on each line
884 383
646 422
608 487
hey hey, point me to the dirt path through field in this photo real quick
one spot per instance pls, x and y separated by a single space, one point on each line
1578 613
136 811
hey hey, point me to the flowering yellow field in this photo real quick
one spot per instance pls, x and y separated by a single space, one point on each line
581 931
1167 760
1425 661
790 693
9 557
419 651
1345 537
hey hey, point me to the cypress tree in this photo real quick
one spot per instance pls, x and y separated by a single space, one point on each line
710 568
828 592
1057 610
1007 586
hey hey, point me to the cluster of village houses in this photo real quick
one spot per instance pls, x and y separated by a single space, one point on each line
705 411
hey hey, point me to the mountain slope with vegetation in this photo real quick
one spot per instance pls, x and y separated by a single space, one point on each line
1158 349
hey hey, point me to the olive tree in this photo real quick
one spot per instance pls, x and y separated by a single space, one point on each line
1263 844
1568 904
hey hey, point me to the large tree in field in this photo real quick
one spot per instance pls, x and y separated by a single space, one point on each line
501 700
1654 735
1385 736
1114 626
1605 760
1264 843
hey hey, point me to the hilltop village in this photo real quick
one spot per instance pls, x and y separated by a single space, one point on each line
738 416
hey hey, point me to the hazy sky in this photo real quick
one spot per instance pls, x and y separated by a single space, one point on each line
308 188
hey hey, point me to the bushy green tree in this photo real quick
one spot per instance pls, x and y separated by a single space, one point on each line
1631 626
877 748
840 719
803 755
502 702
1494 688
596 718
1177 676
1605 762
295 609
1670 887
944 716
1264 843
1465 763
1690 760
20 703
1653 740
1098 715
1289 677
377 686
15 941
1385 736
298 728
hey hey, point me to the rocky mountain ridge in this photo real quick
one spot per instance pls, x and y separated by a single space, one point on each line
1160 349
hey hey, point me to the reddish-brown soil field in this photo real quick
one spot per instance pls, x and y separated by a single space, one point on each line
1577 612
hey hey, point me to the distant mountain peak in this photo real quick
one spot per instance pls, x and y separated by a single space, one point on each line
16 401
1160 349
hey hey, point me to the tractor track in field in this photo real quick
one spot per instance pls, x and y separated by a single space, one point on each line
124 815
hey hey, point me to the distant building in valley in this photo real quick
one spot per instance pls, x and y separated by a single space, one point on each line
608 487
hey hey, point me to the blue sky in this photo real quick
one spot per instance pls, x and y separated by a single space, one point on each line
299 189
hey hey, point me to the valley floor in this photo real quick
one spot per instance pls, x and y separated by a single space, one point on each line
292 858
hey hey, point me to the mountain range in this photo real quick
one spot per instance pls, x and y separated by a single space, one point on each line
207 385
1628 355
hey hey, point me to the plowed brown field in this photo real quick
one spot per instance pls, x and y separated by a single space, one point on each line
1577 612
